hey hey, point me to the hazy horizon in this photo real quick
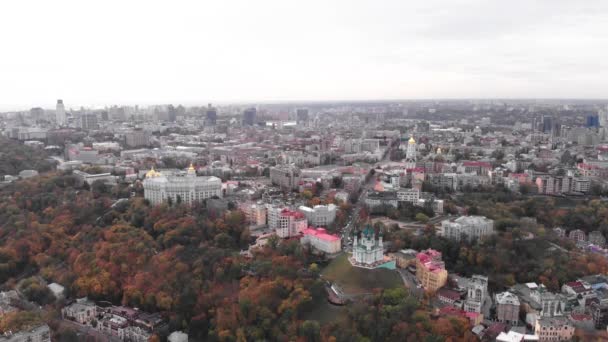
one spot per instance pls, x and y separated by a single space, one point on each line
149 52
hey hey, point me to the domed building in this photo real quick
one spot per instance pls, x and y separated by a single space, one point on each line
182 186
368 251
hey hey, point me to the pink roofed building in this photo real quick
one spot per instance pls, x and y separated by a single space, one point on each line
430 270
320 240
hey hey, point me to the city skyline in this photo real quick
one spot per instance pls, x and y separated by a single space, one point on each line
148 53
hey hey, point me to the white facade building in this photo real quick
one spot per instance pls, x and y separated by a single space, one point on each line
60 117
469 227
179 186
408 195
320 240
291 223
320 215
477 289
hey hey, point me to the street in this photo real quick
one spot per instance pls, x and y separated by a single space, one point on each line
347 231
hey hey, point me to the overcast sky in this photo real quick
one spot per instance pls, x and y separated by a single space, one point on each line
146 52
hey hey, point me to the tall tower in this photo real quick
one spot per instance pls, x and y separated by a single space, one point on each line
249 116
410 154
60 114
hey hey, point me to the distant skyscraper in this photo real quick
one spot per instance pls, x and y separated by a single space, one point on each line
172 113
249 116
603 118
547 124
593 121
211 115
60 118
302 115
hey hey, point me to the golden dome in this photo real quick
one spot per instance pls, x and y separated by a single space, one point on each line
152 173
412 141
191 167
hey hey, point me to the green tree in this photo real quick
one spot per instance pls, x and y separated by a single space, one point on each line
420 217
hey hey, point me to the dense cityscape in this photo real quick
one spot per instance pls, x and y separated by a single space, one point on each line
457 220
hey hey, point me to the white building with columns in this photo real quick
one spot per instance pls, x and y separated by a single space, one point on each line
186 187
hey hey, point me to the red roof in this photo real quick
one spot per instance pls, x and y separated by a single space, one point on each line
587 166
320 233
447 293
476 164
580 317
292 213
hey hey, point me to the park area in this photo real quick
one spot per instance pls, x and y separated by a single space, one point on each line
356 281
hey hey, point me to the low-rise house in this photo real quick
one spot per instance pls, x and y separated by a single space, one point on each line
41 333
582 321
82 311
405 258
57 290
477 288
597 238
537 302
577 235
449 297
554 329
507 308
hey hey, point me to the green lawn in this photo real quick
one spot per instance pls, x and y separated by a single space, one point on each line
324 312
355 280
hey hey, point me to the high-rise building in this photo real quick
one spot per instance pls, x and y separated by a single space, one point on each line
88 121
285 176
547 124
249 116
171 113
603 118
291 223
37 113
137 138
302 116
60 118
410 154
593 121
211 115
